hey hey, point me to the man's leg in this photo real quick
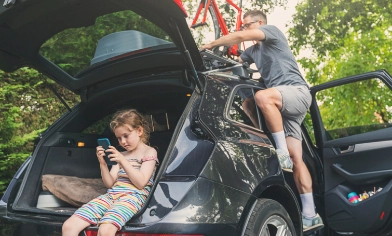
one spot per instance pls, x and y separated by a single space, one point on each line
250 110
303 182
270 103
302 178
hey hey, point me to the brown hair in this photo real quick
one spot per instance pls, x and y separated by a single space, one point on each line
132 118
255 13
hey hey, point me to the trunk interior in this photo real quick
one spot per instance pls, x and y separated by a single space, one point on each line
67 148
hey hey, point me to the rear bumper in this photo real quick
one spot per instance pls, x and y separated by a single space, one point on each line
28 228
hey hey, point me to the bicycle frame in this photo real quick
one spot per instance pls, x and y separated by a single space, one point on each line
233 50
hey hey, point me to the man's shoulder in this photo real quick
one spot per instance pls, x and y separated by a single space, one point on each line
269 27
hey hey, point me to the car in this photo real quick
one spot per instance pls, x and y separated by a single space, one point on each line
218 173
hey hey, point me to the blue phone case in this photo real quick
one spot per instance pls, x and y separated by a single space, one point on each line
105 143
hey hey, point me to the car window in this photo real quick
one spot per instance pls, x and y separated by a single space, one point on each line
99 127
157 120
372 110
308 123
74 49
243 108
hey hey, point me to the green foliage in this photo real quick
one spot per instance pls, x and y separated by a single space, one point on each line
27 108
323 25
346 38
360 52
369 102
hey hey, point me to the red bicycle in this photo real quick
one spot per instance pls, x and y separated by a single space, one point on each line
219 23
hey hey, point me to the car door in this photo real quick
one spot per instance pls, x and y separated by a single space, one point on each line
352 120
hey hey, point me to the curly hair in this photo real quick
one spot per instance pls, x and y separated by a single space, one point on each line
132 118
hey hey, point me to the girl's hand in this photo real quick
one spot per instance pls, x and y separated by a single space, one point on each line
115 155
100 155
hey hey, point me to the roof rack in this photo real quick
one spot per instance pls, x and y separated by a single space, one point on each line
216 63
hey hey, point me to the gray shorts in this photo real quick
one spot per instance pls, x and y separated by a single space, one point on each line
296 101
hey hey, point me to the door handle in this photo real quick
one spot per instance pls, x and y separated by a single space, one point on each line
346 149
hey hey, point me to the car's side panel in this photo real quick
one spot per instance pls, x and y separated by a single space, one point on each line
243 156
167 194
241 166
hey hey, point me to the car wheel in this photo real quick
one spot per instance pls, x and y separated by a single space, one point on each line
268 217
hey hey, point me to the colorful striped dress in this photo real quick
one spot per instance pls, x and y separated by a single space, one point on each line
120 202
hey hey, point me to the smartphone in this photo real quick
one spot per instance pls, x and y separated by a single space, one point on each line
105 143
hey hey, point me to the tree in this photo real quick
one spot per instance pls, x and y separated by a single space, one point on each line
323 25
346 38
27 108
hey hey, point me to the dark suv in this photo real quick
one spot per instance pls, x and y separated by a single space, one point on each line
218 173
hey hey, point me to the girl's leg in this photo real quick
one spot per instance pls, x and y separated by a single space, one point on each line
73 226
107 230
122 210
88 214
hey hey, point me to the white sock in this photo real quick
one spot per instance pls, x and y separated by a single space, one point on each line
308 205
280 140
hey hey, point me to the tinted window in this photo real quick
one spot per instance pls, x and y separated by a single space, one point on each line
243 108
73 49
99 127
308 123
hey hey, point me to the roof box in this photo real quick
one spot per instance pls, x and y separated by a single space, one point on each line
118 43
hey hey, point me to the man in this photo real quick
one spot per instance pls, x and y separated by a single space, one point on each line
284 103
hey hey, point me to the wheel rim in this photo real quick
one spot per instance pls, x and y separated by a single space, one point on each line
275 225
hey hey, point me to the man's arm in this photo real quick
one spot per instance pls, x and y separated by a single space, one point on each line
235 38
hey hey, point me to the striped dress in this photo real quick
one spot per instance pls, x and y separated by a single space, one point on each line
120 202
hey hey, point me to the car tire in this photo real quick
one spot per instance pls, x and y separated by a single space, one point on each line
267 218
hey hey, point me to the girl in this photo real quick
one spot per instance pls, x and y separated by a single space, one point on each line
129 182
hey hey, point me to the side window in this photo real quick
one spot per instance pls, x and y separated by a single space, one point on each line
243 108
98 127
355 108
309 127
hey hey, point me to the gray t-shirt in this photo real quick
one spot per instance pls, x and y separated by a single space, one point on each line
274 59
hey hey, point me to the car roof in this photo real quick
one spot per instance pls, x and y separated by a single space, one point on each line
26 25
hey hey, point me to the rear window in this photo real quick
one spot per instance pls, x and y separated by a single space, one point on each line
74 49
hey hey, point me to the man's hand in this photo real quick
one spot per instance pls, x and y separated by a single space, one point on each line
206 46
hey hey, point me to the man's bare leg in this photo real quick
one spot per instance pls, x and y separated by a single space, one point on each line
303 181
250 110
270 103
302 178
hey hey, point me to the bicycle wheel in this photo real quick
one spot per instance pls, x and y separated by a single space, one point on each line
220 51
215 22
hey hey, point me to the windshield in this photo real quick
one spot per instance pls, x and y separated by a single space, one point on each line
76 49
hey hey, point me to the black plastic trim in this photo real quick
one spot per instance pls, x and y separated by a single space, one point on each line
362 178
